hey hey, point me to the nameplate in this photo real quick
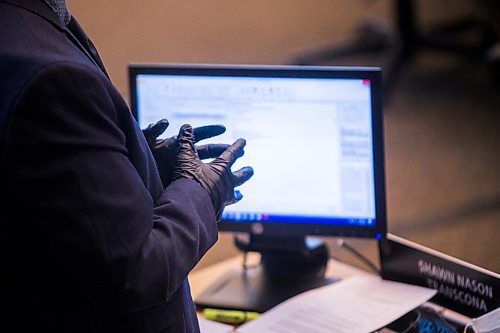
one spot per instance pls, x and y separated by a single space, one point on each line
461 287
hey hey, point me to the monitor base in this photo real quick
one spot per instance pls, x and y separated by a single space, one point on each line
285 271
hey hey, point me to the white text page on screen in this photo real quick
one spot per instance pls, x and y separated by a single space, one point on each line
309 140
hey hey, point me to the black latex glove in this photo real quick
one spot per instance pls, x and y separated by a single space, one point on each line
215 177
165 150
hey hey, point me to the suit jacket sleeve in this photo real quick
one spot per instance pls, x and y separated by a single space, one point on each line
130 244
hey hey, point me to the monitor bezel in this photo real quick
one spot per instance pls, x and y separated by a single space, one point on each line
294 229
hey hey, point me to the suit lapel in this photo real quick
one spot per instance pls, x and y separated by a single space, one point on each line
79 37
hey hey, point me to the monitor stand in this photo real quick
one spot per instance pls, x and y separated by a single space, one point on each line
289 266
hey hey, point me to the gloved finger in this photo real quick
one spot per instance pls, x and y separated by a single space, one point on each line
237 195
186 142
211 150
231 154
155 130
242 175
205 132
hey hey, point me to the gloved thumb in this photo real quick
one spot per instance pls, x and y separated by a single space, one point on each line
153 131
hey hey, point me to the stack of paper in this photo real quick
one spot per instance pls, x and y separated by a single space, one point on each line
358 304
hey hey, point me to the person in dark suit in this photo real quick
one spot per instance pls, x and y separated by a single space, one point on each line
91 239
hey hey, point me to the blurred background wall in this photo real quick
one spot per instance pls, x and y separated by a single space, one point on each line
442 115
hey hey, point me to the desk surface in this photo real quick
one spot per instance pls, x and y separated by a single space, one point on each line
203 278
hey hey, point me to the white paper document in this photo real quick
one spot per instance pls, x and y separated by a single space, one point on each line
358 304
209 326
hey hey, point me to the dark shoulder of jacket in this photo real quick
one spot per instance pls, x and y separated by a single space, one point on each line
32 43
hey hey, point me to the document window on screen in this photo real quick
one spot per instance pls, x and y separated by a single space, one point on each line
309 140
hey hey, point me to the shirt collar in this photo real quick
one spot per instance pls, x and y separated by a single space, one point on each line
59 7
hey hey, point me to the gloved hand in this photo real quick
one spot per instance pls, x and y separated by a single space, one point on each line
215 177
165 150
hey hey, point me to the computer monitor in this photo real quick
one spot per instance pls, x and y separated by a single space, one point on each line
314 138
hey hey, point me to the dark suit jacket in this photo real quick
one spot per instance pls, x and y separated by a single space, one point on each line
90 240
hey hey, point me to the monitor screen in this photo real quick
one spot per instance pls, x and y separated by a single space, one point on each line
314 139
